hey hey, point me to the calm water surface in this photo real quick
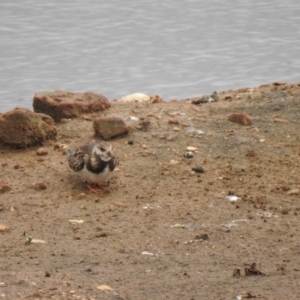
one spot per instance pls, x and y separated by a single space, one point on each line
174 48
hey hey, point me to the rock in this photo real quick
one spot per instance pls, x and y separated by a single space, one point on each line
137 97
293 192
173 121
39 186
191 148
240 118
42 151
21 127
198 169
156 99
62 104
4 188
3 228
109 127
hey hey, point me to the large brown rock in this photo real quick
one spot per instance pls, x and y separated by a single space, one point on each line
61 104
109 127
22 127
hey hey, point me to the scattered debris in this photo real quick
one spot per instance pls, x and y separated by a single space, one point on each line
191 129
293 192
203 236
3 228
277 120
42 151
28 240
144 124
4 188
253 271
37 241
133 118
198 169
188 154
76 221
245 295
234 223
61 147
104 288
237 272
232 198
206 98
179 226
149 253
191 148
39 186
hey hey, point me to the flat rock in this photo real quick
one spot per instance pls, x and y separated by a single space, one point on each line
4 188
109 127
61 104
21 128
240 118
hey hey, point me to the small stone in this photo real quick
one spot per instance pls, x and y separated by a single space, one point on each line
3 228
173 121
39 186
41 151
173 162
4 188
176 129
190 148
198 169
293 192
240 118
188 154
277 120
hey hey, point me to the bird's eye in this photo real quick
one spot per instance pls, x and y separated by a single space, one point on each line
102 149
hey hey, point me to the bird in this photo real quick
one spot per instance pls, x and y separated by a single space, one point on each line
94 163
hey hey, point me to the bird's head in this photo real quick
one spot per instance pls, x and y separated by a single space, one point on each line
104 150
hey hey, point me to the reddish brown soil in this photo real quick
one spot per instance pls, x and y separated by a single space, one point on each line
198 239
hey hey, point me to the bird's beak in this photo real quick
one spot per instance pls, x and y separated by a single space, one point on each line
110 154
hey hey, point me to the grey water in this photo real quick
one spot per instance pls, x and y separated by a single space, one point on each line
174 48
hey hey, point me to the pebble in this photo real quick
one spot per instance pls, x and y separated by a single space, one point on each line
198 170
188 154
176 129
42 151
3 228
293 192
39 186
191 148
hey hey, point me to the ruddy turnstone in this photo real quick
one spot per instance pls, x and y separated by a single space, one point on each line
93 162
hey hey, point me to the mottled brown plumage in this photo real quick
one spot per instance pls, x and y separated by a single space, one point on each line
93 162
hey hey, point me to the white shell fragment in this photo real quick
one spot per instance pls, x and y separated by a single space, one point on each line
232 198
76 221
36 241
149 253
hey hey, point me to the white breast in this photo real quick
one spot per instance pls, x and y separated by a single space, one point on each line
92 177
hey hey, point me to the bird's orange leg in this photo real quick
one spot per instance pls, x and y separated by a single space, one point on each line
94 191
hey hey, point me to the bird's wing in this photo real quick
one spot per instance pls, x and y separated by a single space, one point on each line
76 159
